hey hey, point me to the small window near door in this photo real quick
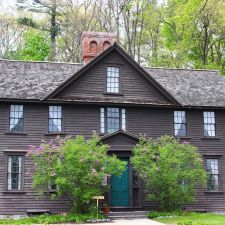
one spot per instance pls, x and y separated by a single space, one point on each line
16 118
209 124
14 173
113 79
213 174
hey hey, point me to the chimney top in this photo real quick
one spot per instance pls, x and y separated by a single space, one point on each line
93 43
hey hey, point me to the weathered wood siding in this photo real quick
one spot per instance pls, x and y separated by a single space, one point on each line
81 119
133 84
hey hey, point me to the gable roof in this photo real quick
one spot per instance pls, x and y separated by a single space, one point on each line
125 133
118 49
34 80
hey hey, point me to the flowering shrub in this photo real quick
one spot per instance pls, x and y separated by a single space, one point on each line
75 166
170 170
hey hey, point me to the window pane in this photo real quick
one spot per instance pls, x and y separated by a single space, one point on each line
14 174
209 124
112 79
123 115
16 118
113 119
55 119
213 174
180 123
102 120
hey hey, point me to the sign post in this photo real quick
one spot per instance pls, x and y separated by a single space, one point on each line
97 198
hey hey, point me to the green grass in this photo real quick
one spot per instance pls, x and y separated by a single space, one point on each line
51 219
194 219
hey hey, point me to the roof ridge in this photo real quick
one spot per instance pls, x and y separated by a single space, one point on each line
212 70
32 61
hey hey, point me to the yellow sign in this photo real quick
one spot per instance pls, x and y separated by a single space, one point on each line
98 197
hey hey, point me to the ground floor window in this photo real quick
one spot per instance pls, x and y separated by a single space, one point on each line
14 172
213 174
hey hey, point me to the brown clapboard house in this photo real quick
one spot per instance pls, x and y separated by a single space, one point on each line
113 95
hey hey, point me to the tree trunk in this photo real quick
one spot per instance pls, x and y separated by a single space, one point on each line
53 32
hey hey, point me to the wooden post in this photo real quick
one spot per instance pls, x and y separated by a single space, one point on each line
97 198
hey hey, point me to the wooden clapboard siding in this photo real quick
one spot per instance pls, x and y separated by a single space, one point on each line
133 84
84 119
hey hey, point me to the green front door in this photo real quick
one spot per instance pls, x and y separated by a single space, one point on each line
120 194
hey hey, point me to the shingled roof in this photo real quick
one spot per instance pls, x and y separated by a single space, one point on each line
192 87
34 80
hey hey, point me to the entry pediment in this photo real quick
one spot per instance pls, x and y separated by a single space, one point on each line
120 141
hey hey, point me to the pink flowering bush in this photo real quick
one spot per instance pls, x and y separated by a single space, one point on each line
75 166
170 169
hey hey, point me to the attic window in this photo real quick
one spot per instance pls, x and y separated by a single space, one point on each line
113 79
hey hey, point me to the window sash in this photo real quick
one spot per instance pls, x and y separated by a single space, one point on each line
16 118
55 119
112 80
14 172
209 124
112 119
102 120
180 124
213 174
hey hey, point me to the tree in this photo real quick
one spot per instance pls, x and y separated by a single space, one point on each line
76 166
171 171
76 18
36 46
11 35
48 7
193 33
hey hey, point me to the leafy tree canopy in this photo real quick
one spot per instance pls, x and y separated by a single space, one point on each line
171 171
76 166
36 46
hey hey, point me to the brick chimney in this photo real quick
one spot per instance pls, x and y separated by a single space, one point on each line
94 43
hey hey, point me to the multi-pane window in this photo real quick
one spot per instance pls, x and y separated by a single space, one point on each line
16 118
113 79
55 119
213 174
112 119
180 124
14 172
209 124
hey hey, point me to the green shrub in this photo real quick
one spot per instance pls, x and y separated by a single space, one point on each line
76 166
156 214
171 171
51 219
185 223
189 223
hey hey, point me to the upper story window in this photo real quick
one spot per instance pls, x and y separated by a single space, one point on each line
55 119
112 119
209 124
213 174
113 79
16 118
14 172
180 124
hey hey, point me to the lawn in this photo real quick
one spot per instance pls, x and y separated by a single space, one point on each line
195 218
